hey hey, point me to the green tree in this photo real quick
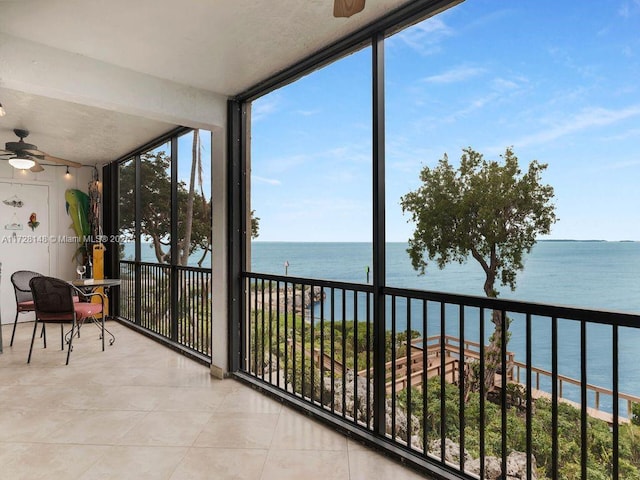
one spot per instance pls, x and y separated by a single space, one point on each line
255 225
194 210
490 211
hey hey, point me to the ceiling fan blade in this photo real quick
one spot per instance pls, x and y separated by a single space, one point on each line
35 152
346 8
37 167
49 158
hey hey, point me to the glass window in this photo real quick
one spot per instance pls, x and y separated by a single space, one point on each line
155 204
127 210
311 173
194 199
488 77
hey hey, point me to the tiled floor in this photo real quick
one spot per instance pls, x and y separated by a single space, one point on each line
141 411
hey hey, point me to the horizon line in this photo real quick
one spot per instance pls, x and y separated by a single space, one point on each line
594 240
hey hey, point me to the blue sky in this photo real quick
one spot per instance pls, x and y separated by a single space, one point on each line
559 81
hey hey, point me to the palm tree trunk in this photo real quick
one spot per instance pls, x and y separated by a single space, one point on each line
195 165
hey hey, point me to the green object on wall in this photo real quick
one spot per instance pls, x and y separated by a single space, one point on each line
77 206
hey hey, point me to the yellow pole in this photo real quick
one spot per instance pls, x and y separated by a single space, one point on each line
98 272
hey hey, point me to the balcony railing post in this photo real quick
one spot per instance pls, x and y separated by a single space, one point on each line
379 255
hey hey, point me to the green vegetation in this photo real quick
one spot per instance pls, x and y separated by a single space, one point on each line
599 435
485 210
280 334
194 209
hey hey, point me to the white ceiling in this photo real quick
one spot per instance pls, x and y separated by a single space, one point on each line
94 79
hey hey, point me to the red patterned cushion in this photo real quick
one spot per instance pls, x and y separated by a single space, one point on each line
26 306
85 309
56 317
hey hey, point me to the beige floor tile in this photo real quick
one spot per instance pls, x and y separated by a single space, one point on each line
367 465
299 432
36 397
249 400
355 445
305 464
128 397
239 430
221 463
96 427
191 399
167 429
39 461
141 463
31 425
142 411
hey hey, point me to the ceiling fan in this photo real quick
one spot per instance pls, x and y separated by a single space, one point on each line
346 8
25 155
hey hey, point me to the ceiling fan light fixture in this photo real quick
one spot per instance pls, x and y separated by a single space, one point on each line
3 112
21 163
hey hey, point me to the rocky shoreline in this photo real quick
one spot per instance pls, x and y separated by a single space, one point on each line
297 300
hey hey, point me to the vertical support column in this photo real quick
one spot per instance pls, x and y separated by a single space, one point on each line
220 347
138 234
110 221
237 210
173 278
379 274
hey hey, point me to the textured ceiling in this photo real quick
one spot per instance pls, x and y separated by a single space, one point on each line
221 46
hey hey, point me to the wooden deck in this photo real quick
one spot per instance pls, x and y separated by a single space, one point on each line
442 358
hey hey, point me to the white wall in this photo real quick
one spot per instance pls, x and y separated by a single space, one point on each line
60 257
219 317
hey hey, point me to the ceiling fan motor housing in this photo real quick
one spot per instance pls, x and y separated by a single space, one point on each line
21 145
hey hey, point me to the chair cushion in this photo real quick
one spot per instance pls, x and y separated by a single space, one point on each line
86 309
56 317
26 306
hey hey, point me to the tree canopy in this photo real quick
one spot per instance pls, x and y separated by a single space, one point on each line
491 211
155 208
194 209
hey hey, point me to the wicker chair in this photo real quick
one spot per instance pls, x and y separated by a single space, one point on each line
24 298
55 303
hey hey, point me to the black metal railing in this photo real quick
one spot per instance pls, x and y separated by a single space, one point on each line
545 395
173 302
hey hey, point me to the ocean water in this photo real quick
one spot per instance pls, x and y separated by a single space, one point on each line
588 274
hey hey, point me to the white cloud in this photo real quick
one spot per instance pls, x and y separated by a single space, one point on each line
634 132
588 118
425 37
264 106
502 84
629 8
618 165
268 181
472 106
456 74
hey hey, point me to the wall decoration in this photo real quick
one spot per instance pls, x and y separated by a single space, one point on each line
13 201
14 224
77 205
33 221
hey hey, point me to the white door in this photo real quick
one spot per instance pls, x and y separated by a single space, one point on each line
24 239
